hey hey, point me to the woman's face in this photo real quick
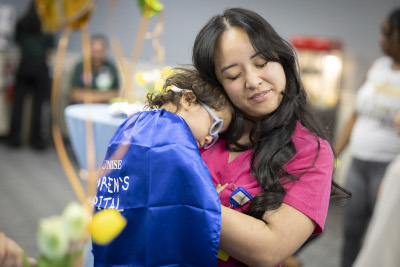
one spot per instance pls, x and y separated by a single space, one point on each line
389 42
253 84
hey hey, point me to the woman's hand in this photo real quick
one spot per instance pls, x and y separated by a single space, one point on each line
221 187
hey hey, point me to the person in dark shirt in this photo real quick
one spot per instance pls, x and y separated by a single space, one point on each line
32 76
104 80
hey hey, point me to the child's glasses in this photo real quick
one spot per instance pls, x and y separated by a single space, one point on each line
215 127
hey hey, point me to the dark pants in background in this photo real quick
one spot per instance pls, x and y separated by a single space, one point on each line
32 76
363 181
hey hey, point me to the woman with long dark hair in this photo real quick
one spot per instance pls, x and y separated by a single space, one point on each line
274 157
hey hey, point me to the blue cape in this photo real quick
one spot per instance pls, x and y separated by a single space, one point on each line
164 190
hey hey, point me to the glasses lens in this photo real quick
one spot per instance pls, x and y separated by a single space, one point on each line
216 127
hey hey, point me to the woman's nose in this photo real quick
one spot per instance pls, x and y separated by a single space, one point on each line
252 80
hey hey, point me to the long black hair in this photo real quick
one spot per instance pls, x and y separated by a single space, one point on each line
271 137
394 21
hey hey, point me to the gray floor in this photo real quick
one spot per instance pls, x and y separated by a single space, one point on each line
33 185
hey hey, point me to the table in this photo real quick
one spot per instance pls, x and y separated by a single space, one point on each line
104 127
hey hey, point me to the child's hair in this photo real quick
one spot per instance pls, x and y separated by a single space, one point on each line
185 78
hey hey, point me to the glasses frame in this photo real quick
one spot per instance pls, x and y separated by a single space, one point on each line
217 120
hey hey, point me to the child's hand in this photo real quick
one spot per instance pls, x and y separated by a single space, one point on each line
221 187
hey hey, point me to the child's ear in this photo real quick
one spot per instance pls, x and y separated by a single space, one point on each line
188 98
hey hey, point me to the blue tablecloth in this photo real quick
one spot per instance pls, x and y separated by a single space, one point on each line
104 127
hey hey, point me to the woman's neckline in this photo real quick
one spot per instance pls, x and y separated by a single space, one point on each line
232 156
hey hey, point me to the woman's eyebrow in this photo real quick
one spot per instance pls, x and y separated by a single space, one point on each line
256 54
233 65
227 67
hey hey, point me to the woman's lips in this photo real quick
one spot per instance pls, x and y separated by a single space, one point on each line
260 96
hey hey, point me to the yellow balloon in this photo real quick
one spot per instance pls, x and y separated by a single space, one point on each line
106 225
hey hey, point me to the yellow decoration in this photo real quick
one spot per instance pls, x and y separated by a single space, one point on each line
167 71
153 80
139 78
56 14
106 225
337 163
158 86
150 7
222 255
168 88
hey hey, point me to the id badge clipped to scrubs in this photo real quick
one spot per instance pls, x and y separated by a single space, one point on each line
240 197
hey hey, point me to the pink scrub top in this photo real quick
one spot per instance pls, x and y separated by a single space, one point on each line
310 194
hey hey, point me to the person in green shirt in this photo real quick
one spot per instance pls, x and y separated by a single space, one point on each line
104 80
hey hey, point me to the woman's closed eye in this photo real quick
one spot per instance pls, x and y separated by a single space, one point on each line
235 77
259 66
262 65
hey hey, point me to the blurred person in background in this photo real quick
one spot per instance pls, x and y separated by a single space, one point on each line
372 137
32 76
382 243
104 79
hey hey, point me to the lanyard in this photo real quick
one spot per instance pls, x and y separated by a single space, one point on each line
239 197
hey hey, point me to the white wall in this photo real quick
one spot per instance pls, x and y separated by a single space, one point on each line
355 22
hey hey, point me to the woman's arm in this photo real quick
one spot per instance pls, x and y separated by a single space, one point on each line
344 136
256 243
302 212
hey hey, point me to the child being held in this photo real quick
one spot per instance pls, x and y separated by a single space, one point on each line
153 173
